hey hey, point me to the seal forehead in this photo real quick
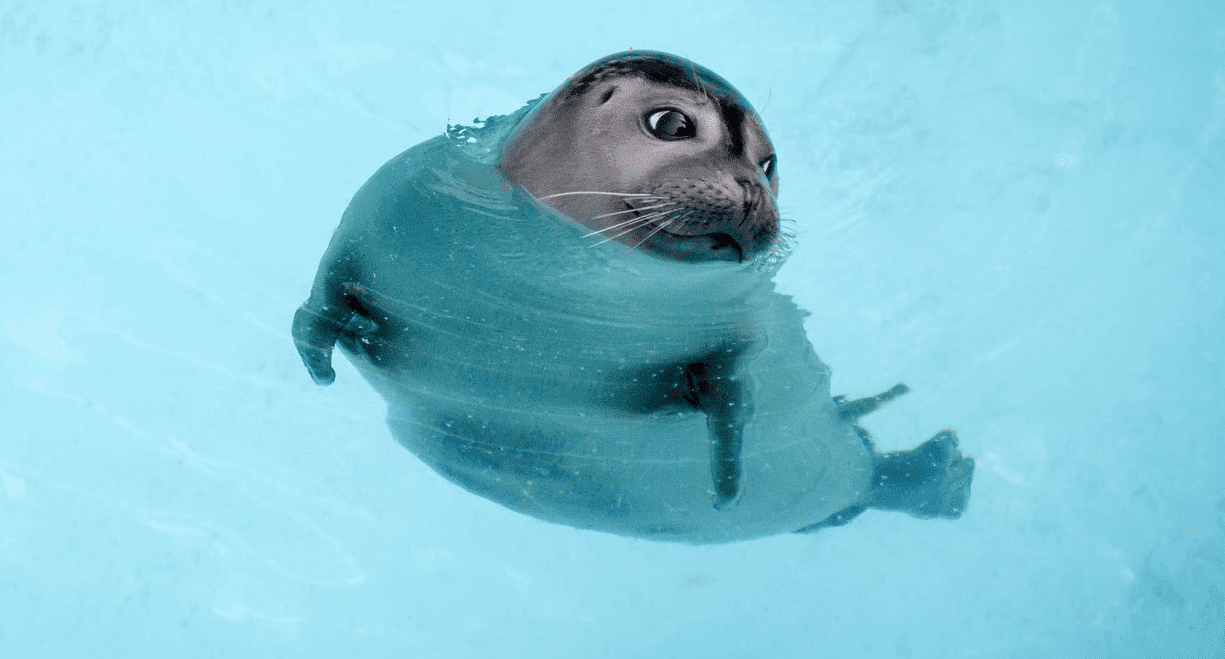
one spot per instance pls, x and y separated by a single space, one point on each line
657 67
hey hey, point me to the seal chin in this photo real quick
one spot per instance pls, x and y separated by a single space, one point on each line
705 247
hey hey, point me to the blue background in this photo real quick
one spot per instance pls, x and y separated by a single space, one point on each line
1018 209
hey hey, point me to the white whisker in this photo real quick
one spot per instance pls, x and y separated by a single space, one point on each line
639 218
648 219
611 194
645 219
628 210
654 231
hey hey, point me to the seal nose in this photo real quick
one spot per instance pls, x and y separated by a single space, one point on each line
750 193
759 218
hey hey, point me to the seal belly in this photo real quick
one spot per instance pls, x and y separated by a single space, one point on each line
646 477
524 416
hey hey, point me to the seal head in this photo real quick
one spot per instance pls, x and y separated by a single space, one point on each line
656 152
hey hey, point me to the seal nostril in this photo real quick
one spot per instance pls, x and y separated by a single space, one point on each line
751 195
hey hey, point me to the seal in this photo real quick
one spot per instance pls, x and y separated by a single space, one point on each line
570 310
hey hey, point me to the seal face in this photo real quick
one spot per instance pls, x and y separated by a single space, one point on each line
643 379
655 152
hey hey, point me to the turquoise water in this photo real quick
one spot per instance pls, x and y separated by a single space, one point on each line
1017 211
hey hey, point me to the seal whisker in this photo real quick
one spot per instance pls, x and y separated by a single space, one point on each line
637 220
633 225
613 194
642 221
628 210
631 220
654 231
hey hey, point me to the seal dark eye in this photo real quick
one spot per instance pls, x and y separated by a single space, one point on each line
769 165
668 124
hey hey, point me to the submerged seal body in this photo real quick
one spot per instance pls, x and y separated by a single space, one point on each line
570 311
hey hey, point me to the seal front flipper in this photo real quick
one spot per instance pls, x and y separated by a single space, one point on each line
330 313
316 330
727 403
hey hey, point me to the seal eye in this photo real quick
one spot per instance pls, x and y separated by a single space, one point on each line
670 125
768 166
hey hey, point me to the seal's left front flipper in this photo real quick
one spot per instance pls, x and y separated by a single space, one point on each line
727 403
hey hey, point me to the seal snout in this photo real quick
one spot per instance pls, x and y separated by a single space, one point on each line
733 221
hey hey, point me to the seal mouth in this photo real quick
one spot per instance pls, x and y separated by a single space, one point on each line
662 233
692 228
715 246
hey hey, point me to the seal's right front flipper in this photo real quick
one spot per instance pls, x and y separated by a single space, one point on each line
316 327
328 314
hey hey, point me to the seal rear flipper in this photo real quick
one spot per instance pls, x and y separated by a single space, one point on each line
837 519
932 480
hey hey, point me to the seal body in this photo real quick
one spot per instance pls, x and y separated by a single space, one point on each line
666 392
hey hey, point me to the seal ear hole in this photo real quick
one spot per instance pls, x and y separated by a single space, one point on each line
608 95
669 124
